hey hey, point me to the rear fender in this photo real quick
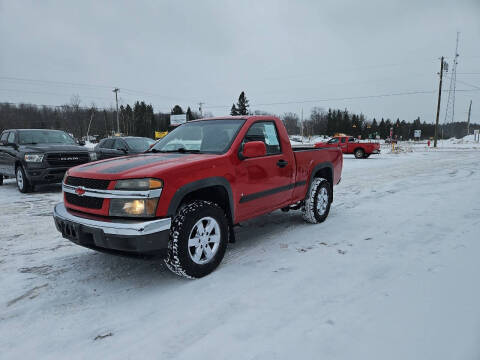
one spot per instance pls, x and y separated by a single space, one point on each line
325 170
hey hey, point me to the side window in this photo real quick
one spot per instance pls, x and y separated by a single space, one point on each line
266 132
108 144
333 141
3 139
343 140
351 139
119 144
11 137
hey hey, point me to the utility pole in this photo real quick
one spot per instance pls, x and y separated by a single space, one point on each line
90 123
301 125
468 121
116 90
438 105
200 104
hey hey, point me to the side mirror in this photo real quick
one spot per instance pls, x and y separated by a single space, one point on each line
122 149
81 142
15 146
254 149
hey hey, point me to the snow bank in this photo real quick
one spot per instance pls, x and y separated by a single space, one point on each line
391 274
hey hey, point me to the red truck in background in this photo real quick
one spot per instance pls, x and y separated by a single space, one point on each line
184 195
350 145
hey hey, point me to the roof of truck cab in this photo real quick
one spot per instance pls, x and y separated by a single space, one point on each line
239 117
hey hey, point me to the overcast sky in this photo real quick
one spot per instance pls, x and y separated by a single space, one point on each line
304 53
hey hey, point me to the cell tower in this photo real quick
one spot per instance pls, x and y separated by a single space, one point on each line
450 109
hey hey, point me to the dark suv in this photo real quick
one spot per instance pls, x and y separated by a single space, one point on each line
38 156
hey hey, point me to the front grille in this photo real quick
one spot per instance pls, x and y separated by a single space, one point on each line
67 160
88 183
84 201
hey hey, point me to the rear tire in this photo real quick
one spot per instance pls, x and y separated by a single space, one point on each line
359 153
23 184
317 204
198 239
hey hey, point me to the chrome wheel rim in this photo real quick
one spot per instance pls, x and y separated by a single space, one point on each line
19 178
322 201
204 240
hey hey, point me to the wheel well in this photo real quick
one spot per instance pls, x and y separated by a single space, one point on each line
216 194
325 173
17 164
359 148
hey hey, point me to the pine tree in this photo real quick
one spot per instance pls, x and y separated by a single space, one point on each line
233 110
177 110
382 129
129 119
242 104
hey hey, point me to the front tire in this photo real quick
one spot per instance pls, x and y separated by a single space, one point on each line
23 184
198 239
359 153
317 204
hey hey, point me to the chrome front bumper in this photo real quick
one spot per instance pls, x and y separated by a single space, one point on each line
116 235
114 227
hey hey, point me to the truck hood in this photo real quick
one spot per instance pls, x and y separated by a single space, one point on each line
137 166
53 148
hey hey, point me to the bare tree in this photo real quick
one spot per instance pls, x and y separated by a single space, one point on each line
291 122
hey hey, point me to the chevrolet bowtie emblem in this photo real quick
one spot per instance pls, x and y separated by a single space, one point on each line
80 191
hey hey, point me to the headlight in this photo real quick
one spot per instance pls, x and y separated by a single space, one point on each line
139 184
93 156
133 208
136 207
35 158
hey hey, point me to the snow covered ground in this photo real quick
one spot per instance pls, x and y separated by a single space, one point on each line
392 274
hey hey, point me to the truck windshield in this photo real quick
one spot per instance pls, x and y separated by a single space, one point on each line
206 136
26 137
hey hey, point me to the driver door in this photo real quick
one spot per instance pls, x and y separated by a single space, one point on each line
264 183
3 154
9 153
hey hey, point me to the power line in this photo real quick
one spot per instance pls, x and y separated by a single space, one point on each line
86 85
52 93
332 99
54 82
466 83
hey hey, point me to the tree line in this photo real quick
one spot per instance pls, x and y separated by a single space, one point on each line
137 120
332 121
140 119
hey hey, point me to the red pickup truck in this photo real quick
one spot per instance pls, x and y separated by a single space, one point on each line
350 145
182 197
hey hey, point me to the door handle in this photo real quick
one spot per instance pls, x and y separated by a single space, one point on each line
282 163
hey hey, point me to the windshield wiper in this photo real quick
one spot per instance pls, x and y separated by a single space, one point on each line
183 150
29 143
